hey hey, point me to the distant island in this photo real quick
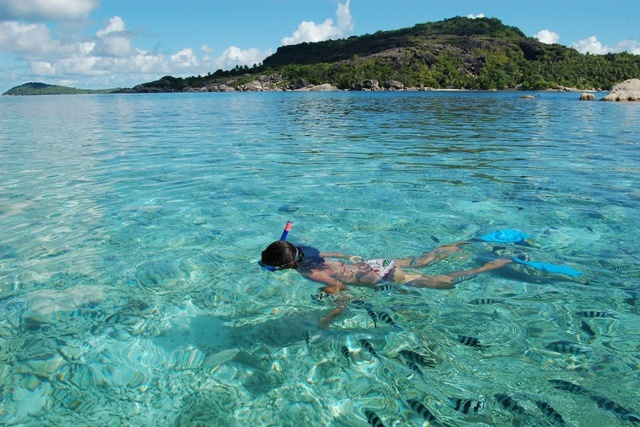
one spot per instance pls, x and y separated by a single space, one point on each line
456 53
35 88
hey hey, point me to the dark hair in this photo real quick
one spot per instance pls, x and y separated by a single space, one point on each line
278 254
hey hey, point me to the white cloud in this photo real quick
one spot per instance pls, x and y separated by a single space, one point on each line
116 25
590 45
472 16
345 21
30 41
42 68
185 59
631 46
593 46
547 37
113 46
46 10
233 56
113 40
309 31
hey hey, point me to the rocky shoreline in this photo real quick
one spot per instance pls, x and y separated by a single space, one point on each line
276 83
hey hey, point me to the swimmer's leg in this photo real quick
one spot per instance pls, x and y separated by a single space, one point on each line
431 257
448 281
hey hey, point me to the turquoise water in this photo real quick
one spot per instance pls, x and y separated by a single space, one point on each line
130 227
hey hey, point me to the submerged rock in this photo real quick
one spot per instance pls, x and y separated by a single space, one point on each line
629 90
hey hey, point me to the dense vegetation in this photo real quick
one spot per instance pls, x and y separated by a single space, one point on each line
45 89
459 53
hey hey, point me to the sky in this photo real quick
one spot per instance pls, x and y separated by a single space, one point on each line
98 44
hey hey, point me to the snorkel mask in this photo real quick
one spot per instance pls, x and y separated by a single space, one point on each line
283 237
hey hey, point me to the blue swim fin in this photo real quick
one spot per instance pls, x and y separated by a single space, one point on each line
550 268
507 236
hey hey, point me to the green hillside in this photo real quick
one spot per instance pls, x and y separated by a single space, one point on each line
458 53
34 88
423 38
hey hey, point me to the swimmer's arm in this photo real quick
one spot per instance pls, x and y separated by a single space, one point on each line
333 285
341 255
331 316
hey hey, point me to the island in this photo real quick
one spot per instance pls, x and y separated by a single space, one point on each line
36 88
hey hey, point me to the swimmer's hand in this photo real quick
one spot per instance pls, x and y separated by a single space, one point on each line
355 258
325 322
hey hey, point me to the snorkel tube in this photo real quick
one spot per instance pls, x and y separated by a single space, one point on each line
285 233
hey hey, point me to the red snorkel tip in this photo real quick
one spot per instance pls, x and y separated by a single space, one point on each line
287 229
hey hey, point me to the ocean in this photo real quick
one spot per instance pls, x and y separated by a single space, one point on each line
131 227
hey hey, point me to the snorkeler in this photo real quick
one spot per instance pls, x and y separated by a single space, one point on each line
329 269
325 267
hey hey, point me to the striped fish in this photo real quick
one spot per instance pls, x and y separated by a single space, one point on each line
587 329
369 347
550 412
435 239
373 316
619 267
373 418
470 341
423 411
417 358
467 406
592 314
484 301
509 404
384 287
345 352
570 387
386 317
307 339
566 347
615 408
463 278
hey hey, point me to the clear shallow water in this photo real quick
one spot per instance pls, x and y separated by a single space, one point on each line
130 227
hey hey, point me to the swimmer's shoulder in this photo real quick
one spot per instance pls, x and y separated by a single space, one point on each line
311 255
